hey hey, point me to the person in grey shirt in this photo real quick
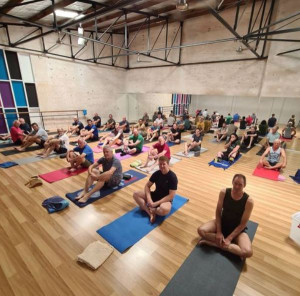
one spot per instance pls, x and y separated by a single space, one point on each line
110 177
38 136
231 128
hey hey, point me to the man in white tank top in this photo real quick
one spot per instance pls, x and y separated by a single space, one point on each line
271 157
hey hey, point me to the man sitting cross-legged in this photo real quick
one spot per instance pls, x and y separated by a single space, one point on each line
222 133
249 137
38 136
90 132
174 135
115 137
272 162
76 126
81 156
110 177
134 144
110 124
228 231
152 132
195 145
158 202
58 143
157 150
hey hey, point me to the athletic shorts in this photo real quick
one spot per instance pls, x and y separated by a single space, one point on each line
61 150
196 148
227 230
155 197
113 181
42 143
272 163
138 150
86 163
18 142
225 155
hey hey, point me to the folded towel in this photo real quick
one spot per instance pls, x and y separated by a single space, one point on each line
95 254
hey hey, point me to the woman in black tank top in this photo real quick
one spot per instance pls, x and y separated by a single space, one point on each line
228 230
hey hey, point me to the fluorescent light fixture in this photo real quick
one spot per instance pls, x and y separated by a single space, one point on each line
68 13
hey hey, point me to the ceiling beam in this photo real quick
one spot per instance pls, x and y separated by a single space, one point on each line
9 5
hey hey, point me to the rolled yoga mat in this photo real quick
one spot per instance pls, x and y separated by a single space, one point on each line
208 271
127 230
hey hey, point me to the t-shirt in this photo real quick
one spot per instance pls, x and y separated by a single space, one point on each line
221 121
107 164
110 121
159 121
231 129
161 148
233 145
228 119
14 132
174 131
272 137
263 129
249 120
95 118
64 141
272 122
138 138
140 127
25 127
120 133
41 133
200 125
87 150
243 124
170 120
236 117
127 128
95 130
187 124
163 183
79 123
196 138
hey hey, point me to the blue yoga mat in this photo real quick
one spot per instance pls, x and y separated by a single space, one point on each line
8 164
170 144
296 178
224 164
136 176
127 230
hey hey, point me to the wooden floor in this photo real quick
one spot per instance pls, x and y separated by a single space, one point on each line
38 251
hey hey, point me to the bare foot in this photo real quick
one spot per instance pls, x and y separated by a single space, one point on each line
40 153
83 199
152 217
72 170
80 196
248 147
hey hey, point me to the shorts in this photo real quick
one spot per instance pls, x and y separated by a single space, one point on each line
138 150
272 163
226 229
42 143
86 163
196 148
225 155
94 138
61 150
18 142
113 181
156 197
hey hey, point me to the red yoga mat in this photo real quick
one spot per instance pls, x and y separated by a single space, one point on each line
285 139
61 174
265 173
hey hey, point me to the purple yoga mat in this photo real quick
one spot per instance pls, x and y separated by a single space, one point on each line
6 95
118 155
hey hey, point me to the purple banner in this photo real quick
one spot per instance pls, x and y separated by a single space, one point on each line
6 95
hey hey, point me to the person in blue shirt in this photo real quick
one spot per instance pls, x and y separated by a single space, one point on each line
81 156
236 117
90 132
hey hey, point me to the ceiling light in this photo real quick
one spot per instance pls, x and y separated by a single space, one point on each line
67 13
182 5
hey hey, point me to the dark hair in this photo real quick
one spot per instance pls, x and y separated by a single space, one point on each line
239 176
164 159
263 122
244 117
34 124
232 121
236 136
273 114
89 120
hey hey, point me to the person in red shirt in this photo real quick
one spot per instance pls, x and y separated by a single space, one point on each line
156 151
249 120
17 135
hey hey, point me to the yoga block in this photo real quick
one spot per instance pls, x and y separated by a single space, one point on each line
197 153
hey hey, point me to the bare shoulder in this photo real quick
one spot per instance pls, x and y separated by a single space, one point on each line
250 201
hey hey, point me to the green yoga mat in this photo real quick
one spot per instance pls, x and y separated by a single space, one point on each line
208 271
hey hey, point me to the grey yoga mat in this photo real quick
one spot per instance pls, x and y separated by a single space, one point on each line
32 159
208 271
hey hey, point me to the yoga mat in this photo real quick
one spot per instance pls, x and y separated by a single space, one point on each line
14 151
296 178
126 156
136 176
286 139
36 158
191 153
261 151
171 144
8 164
99 149
61 174
224 164
6 144
127 230
265 173
208 271
173 160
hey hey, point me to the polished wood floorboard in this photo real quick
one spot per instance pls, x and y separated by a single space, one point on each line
38 251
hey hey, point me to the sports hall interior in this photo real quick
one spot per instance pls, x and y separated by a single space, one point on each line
132 57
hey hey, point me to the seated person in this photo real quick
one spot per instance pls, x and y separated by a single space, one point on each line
272 121
200 123
263 128
81 156
231 128
145 119
17 135
249 138
271 157
110 124
134 144
272 136
76 127
292 120
141 127
222 133
115 137
249 120
154 116
159 201
232 150
110 177
186 114
195 145
229 230
171 120
221 121
207 125
228 118
236 117
159 149
159 120
243 123
172 114
24 126
38 136
90 132
124 124
97 120
187 124
152 132
289 131
180 123
58 144
174 135
5 137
